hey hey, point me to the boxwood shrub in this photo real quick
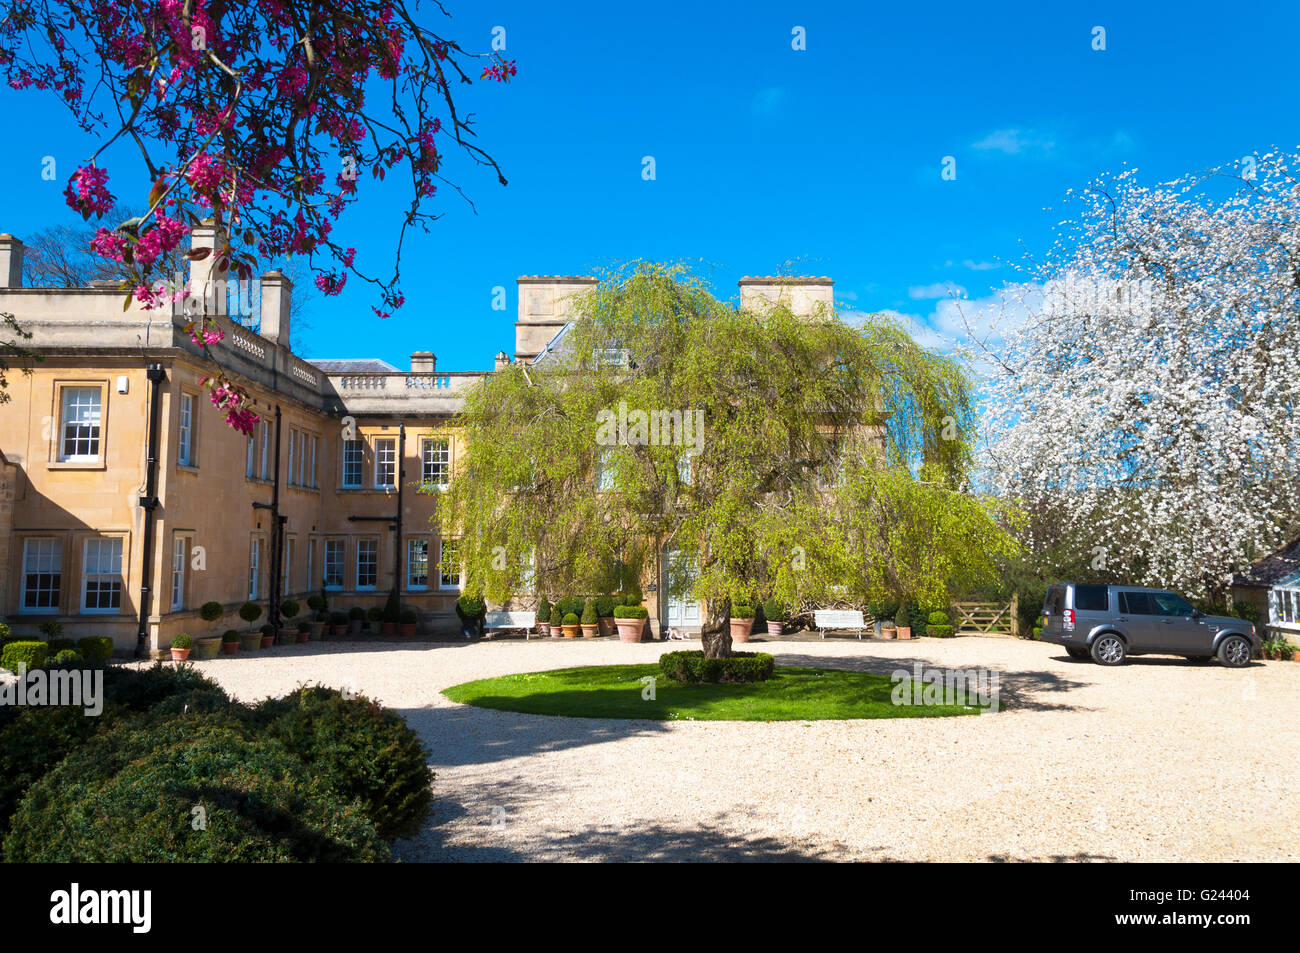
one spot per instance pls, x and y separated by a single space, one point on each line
129 798
96 648
20 652
631 612
60 645
605 606
360 749
693 667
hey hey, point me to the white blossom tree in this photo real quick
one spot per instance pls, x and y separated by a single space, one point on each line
1144 410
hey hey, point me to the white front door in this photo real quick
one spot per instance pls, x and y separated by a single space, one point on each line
680 570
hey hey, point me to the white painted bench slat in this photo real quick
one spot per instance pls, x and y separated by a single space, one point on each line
825 619
510 620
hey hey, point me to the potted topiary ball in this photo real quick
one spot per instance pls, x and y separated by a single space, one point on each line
181 647
471 610
409 622
356 615
319 617
605 614
543 617
374 619
776 615
392 613
903 622
230 642
590 627
209 645
338 623
288 609
631 622
742 621
572 625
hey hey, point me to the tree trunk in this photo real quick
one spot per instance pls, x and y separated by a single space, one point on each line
716 632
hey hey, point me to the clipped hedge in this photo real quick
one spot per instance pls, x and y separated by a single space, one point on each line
19 652
939 631
130 798
693 667
631 612
360 749
95 648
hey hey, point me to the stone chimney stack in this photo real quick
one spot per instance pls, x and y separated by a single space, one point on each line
277 295
423 362
545 302
11 262
501 360
804 295
207 285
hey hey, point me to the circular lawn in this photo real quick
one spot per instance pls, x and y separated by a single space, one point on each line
618 691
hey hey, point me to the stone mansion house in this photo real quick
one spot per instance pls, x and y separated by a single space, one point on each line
126 502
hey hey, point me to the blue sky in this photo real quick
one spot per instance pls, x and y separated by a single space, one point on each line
829 157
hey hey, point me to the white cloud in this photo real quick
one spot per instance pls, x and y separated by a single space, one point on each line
1015 142
941 289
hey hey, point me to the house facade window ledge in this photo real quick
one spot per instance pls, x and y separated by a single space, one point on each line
76 465
187 468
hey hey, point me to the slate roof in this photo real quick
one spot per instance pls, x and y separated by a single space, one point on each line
1273 569
363 365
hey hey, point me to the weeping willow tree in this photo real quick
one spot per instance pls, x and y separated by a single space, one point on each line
794 457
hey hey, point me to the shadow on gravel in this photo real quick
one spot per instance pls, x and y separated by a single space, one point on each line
1021 691
467 734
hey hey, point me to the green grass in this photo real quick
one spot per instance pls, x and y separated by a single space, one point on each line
614 691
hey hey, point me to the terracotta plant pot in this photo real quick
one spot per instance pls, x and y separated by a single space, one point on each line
605 624
303 636
889 632
904 631
207 647
630 630
408 628
229 648
354 627
286 637
590 631
554 631
389 628
572 631
740 629
775 628
317 630
268 641
180 655
250 641
338 629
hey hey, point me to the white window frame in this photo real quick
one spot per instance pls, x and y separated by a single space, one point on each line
442 557
290 476
185 439
266 451
370 545
356 448
180 550
413 559
95 438
114 544
435 454
252 456
604 472
286 576
332 544
311 565
1284 606
46 554
385 458
254 568
311 474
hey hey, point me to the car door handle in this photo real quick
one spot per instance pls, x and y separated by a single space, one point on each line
1121 618
1167 621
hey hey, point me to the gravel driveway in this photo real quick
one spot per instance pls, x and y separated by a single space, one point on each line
1158 760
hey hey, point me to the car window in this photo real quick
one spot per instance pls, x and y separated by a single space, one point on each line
1091 598
1171 604
1055 602
1138 603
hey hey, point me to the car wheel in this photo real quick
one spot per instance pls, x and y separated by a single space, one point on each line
1077 653
1234 651
1109 650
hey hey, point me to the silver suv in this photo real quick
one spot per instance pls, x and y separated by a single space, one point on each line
1110 623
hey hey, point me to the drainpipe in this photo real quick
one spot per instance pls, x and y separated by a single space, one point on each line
277 532
149 503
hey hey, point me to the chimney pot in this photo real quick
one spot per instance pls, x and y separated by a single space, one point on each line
11 262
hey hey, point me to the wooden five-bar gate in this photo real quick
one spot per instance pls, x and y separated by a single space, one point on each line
987 618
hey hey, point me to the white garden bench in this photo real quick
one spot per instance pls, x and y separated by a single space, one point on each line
501 621
824 619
